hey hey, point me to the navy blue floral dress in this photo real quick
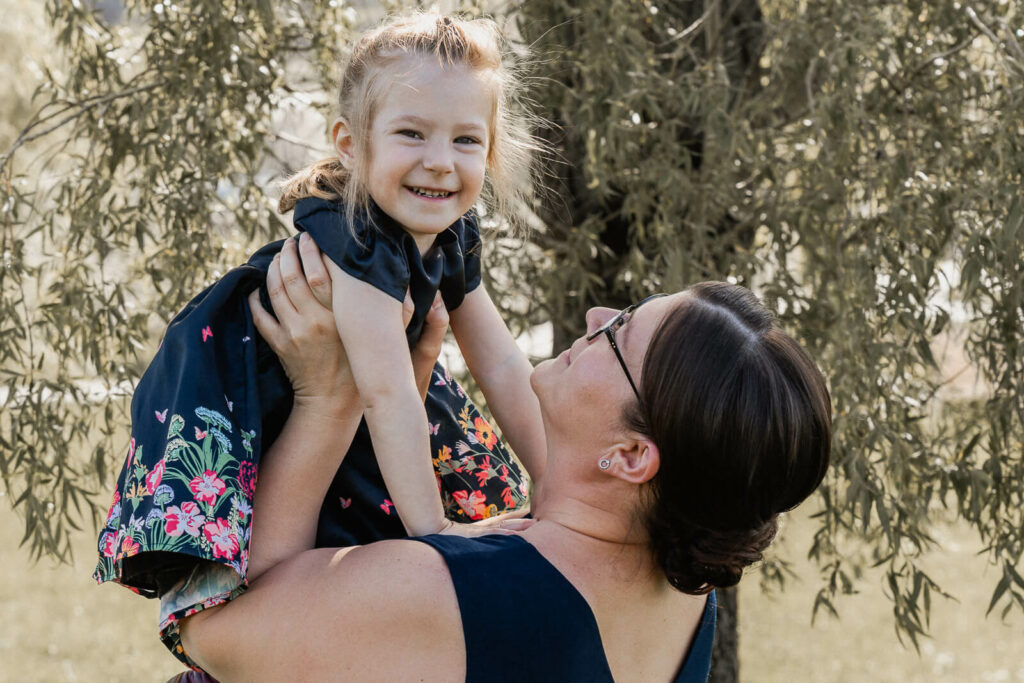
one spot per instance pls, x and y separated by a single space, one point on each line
216 396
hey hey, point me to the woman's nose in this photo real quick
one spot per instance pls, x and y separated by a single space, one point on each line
597 316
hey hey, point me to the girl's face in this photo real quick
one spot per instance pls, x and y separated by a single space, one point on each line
428 146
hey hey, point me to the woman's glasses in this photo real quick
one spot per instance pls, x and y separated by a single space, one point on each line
616 323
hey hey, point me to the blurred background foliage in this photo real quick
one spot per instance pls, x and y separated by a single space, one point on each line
858 165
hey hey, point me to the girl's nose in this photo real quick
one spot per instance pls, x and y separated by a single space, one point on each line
437 158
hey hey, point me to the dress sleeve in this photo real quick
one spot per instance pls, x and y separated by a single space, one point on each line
370 253
472 250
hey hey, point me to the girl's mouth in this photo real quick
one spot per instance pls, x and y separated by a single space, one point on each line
430 194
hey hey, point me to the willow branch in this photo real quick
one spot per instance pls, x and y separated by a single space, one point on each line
82 107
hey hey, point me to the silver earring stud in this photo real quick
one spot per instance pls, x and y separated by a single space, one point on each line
604 463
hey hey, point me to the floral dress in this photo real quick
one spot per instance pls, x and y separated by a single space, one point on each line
216 396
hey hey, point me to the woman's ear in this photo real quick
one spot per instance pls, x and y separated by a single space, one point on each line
636 462
344 145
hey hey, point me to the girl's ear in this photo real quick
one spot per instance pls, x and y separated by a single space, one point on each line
344 145
636 462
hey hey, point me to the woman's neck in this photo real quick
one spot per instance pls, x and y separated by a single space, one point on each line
596 517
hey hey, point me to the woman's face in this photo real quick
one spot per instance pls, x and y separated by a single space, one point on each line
584 389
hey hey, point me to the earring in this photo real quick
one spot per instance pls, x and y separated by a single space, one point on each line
604 463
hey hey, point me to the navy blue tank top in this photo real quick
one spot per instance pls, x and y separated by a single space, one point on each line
524 621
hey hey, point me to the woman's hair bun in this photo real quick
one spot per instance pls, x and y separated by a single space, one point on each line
697 560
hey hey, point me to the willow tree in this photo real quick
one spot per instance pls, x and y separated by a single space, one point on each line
151 150
857 164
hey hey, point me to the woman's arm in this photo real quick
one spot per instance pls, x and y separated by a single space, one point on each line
502 371
383 612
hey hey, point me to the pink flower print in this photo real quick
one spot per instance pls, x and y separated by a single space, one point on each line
154 477
524 488
247 478
225 542
207 487
115 508
129 547
131 452
473 504
184 520
108 544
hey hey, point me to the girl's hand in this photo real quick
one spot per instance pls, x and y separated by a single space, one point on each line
505 524
304 336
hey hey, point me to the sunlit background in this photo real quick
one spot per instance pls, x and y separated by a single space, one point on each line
57 625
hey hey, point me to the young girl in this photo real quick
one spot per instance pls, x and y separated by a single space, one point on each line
426 121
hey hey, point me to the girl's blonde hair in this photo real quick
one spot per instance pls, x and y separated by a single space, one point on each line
476 43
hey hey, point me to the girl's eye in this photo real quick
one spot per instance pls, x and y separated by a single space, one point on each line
410 134
466 140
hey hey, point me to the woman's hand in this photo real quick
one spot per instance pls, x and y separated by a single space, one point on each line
304 335
424 356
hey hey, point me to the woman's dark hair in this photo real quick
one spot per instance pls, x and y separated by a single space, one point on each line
742 418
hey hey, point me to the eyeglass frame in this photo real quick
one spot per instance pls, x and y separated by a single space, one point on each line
616 323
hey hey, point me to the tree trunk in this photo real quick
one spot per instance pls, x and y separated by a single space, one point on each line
725 661
732 38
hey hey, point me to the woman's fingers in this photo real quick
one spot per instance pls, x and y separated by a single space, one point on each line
317 277
279 300
434 327
408 308
436 322
295 285
427 349
265 324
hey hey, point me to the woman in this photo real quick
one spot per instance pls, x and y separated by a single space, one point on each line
676 431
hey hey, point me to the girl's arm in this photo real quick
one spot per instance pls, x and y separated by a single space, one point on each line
502 371
370 325
297 469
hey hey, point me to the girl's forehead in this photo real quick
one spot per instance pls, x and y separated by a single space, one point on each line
413 76
436 92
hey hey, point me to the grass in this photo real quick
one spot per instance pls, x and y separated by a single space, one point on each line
778 643
58 625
